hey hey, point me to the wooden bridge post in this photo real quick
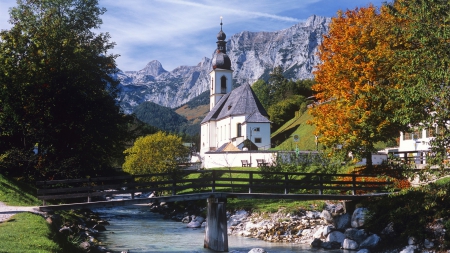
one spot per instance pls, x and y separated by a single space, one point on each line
216 237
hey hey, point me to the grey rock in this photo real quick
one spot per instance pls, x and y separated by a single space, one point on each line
409 249
428 244
358 235
342 221
316 243
358 217
371 242
186 219
252 54
85 246
326 215
349 244
194 224
257 250
335 236
331 245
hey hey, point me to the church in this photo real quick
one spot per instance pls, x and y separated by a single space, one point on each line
236 116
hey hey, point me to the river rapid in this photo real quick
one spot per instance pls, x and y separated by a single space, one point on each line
136 229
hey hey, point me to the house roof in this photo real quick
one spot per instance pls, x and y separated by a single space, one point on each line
240 101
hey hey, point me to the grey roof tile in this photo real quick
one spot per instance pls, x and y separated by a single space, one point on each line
240 101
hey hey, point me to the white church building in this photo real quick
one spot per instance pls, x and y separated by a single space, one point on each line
235 116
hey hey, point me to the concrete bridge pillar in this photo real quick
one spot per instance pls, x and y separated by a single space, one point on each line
216 237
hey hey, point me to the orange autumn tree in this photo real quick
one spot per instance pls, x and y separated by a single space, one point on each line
353 82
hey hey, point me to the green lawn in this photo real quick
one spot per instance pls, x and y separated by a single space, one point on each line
26 232
16 193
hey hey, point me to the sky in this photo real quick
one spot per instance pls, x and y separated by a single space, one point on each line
182 32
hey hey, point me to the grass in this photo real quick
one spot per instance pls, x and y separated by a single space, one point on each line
296 126
27 232
443 181
17 193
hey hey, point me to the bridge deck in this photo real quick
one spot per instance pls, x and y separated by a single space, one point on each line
203 196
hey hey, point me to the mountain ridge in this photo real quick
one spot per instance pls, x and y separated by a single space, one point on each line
253 56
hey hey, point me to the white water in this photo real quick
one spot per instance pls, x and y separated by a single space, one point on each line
136 229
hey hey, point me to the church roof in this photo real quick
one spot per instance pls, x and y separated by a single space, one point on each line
240 101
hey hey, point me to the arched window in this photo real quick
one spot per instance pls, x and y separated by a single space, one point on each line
239 130
223 84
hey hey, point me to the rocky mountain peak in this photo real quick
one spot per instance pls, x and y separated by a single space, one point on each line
153 68
253 56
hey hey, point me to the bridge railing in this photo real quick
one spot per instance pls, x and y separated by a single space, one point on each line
184 182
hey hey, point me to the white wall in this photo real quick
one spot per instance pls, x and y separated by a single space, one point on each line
264 134
233 158
414 144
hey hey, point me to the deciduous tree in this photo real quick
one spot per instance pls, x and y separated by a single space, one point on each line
156 153
426 77
354 81
56 91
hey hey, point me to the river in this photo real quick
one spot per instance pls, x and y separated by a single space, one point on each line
136 229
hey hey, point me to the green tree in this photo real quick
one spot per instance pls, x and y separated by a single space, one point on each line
156 153
285 109
426 76
56 91
262 90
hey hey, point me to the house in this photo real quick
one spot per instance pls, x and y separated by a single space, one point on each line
235 115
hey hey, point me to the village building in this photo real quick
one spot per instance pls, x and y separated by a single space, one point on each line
236 117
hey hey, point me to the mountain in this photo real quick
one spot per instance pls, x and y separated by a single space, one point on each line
253 56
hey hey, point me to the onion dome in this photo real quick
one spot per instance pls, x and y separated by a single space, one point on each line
221 59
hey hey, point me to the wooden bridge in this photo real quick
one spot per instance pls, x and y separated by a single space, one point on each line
216 186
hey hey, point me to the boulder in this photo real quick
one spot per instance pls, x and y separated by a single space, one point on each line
357 235
85 246
370 242
409 249
341 222
199 219
316 243
428 244
313 214
257 250
349 244
358 217
318 233
99 227
327 230
194 224
186 219
331 245
335 236
412 240
326 216
389 231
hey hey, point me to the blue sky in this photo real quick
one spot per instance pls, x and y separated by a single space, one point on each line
181 32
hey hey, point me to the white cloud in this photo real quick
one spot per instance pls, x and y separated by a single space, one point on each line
181 32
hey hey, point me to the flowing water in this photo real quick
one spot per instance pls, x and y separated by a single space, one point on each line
136 229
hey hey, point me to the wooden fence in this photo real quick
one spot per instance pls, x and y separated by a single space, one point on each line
211 181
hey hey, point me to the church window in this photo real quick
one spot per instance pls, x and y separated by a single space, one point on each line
239 130
223 84
257 140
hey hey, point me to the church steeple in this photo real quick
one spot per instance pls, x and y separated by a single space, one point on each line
221 59
221 74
